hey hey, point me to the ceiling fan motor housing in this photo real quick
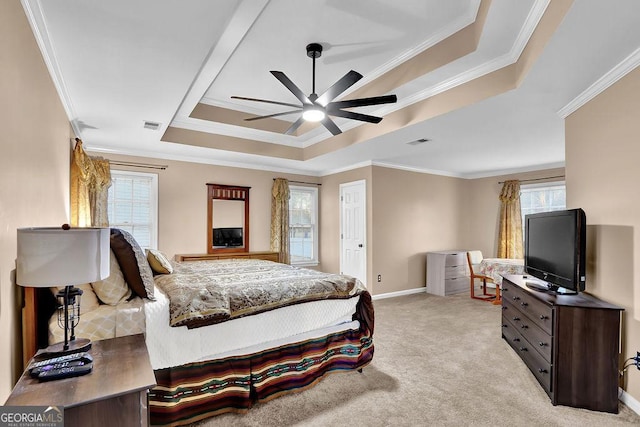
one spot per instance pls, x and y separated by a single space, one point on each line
314 50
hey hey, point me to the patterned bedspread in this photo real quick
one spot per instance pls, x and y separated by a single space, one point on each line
207 292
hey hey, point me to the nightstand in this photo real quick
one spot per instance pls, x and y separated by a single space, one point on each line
114 393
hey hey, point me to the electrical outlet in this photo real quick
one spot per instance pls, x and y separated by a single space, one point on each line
379 277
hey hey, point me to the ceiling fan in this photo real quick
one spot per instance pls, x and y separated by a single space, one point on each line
316 108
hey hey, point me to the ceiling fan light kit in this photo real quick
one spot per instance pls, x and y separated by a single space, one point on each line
316 108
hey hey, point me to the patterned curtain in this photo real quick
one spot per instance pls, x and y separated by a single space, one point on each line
280 219
90 182
510 232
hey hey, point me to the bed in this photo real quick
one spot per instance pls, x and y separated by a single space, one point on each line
255 332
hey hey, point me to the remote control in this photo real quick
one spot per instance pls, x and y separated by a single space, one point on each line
36 371
72 371
66 358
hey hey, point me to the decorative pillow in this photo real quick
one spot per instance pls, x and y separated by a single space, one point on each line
133 263
113 289
159 262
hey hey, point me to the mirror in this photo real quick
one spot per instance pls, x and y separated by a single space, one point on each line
227 218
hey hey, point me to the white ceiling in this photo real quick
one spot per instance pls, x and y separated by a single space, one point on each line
118 63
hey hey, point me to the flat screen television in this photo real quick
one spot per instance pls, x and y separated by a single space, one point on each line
227 237
554 250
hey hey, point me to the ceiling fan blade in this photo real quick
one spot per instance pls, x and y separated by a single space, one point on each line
331 126
355 116
291 86
266 101
271 115
338 87
362 102
294 127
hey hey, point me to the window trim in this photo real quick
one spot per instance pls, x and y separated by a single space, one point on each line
316 232
153 201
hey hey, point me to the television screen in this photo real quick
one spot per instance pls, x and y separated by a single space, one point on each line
555 249
227 237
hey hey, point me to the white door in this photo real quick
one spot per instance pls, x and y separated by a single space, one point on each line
353 216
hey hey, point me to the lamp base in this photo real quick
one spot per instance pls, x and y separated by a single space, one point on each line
57 349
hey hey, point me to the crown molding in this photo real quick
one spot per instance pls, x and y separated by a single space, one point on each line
196 159
529 26
235 131
616 73
33 11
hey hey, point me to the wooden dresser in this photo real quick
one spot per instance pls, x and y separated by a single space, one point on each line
447 272
569 342
269 256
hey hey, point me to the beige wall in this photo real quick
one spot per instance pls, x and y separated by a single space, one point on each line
330 219
413 213
482 209
182 201
34 167
602 152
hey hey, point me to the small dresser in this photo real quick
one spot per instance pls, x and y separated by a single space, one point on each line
569 342
447 272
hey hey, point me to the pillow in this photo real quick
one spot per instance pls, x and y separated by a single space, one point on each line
113 289
159 262
133 263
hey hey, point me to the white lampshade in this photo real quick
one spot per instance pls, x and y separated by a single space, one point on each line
58 257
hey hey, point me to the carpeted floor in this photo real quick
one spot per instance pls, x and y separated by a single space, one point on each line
439 361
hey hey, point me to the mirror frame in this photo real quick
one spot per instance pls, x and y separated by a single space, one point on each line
227 192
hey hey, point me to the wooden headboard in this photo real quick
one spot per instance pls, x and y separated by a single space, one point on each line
39 306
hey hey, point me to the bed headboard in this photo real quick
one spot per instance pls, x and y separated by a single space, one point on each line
39 306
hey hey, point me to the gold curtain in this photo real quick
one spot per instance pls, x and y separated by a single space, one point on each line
280 219
510 232
90 182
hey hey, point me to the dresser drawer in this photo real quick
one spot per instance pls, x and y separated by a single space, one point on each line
456 285
540 313
453 272
540 368
538 338
455 259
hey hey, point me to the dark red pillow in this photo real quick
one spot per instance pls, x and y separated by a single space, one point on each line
133 263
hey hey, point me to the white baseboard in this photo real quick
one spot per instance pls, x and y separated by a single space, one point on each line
400 293
630 401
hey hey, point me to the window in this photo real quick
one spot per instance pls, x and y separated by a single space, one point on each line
133 205
546 197
303 228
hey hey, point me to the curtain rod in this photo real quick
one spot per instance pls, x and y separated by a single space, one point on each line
302 182
536 179
138 165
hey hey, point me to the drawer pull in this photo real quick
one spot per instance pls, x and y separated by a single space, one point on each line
543 317
524 326
504 326
524 304
516 318
516 298
516 339
542 344
523 349
504 307
542 371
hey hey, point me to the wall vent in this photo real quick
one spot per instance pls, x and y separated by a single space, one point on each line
418 141
151 125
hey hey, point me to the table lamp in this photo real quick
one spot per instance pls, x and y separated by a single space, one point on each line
66 256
